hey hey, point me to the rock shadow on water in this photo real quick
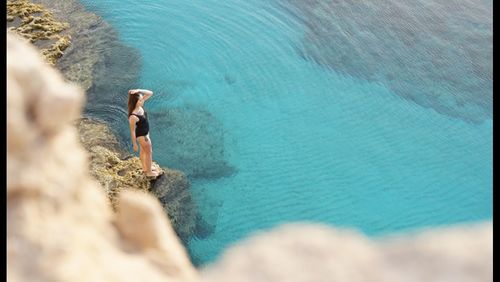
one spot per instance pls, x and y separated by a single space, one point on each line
190 139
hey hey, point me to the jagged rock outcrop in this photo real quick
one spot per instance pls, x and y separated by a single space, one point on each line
39 26
60 226
116 170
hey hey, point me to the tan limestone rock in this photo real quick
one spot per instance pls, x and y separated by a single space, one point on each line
306 252
38 25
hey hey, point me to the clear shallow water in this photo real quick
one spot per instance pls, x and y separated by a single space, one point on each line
303 141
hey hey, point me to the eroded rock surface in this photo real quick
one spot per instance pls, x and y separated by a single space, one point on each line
38 25
117 170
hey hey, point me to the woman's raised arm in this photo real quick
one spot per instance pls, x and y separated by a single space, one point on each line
146 93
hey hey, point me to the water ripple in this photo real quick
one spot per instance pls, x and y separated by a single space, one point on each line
313 110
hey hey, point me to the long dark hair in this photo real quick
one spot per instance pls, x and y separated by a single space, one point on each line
132 102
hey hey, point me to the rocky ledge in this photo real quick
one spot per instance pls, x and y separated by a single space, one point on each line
116 170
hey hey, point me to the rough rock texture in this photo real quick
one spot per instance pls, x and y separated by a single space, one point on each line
305 252
81 23
59 224
94 133
37 24
116 170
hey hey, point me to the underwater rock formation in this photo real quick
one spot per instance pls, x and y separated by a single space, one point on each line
437 54
39 26
190 139
60 226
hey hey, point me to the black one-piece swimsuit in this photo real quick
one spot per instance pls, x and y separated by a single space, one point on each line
142 126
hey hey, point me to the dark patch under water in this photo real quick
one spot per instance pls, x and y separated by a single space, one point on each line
435 53
191 140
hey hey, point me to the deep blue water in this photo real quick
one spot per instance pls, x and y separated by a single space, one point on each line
286 111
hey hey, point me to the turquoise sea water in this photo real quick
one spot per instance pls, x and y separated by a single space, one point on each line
308 139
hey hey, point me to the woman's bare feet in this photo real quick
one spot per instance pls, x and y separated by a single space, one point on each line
152 169
153 173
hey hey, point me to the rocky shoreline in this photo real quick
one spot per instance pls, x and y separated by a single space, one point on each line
116 170
109 162
38 25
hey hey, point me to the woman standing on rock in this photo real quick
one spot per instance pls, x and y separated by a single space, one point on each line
139 128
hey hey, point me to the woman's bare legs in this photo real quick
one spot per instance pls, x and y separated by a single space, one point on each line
151 154
147 155
143 159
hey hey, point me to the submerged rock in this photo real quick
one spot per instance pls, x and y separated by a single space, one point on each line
203 228
173 190
192 140
437 54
